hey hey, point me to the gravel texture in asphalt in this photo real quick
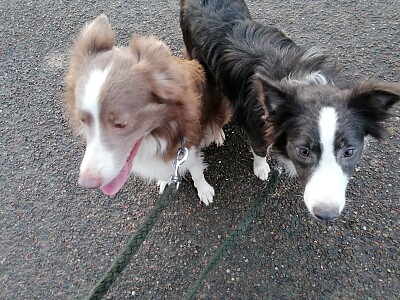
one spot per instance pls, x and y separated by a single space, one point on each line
56 239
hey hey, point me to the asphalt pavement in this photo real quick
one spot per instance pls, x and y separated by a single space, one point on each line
57 239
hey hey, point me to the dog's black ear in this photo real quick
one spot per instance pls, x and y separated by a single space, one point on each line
95 37
371 103
271 95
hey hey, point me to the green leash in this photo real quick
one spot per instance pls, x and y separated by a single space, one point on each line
133 245
141 233
250 215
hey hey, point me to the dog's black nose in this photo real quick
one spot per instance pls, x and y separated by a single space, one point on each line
326 212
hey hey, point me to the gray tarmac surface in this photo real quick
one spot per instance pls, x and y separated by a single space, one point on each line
57 239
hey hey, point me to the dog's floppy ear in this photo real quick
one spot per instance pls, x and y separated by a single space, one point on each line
269 93
371 103
95 37
154 56
166 86
148 48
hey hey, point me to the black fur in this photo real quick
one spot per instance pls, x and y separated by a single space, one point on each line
279 91
233 48
247 60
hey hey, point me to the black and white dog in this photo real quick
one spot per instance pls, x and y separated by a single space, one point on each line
287 97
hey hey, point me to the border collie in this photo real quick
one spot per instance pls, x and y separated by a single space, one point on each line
133 105
287 97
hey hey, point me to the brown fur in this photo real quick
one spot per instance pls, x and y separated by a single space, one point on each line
84 47
145 80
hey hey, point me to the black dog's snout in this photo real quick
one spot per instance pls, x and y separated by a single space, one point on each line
326 212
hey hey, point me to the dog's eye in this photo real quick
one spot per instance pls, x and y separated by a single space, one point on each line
304 151
349 152
120 125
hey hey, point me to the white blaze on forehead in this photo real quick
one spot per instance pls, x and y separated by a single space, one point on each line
327 130
91 96
328 182
97 159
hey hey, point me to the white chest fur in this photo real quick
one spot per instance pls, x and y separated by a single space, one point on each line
148 163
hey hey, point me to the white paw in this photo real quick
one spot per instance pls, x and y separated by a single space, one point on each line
161 185
206 194
261 169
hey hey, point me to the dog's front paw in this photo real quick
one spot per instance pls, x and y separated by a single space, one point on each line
206 194
261 169
161 185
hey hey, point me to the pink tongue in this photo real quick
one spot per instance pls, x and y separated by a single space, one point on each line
118 182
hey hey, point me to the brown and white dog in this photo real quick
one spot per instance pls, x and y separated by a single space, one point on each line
133 105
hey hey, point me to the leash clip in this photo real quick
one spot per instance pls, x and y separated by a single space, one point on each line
279 169
182 156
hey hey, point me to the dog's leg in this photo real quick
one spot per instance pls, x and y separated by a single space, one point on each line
213 135
196 168
220 138
260 166
254 128
204 190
